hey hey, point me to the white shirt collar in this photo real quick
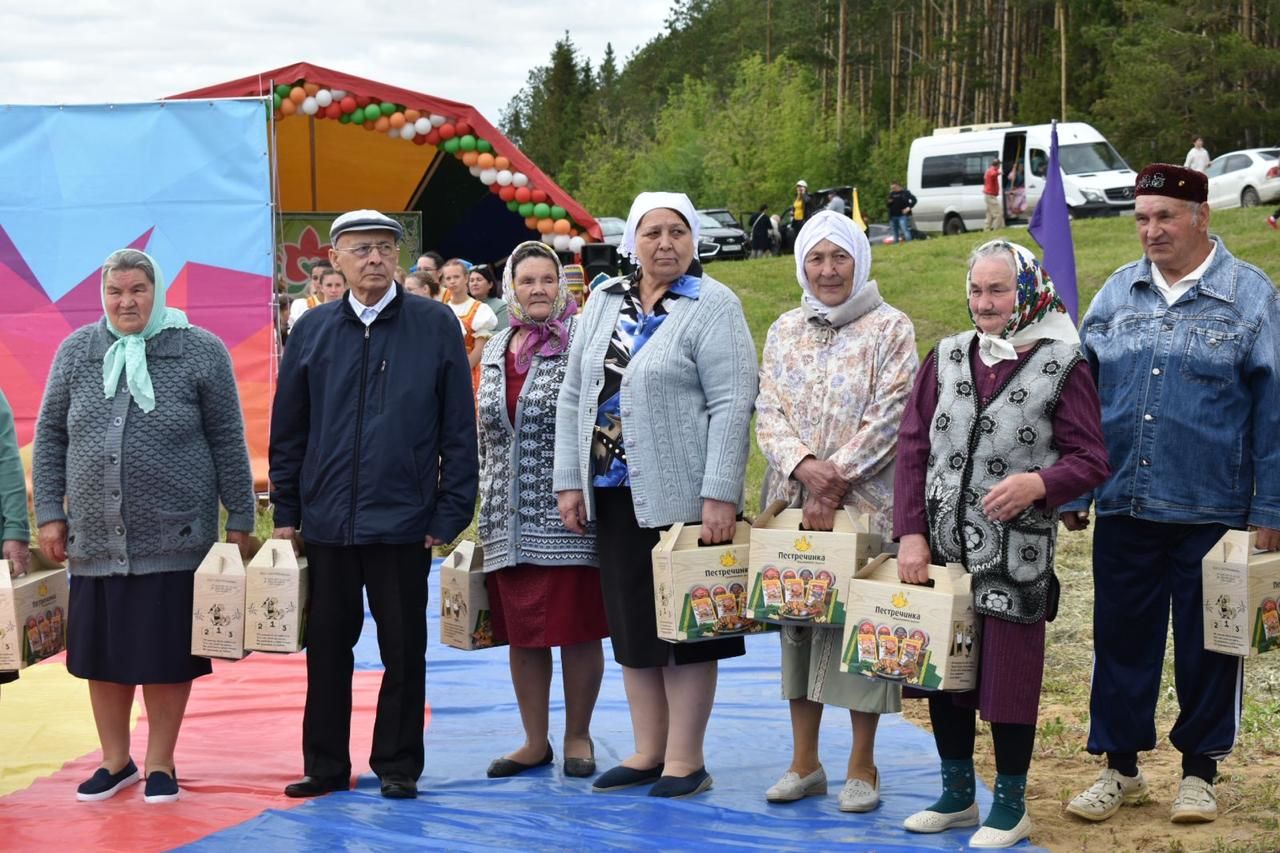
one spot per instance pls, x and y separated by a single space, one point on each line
1184 283
369 313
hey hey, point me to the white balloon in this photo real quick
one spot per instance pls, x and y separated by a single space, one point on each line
475 171
504 178
562 242
437 120
576 244
324 97
338 94
310 107
488 176
549 239
407 132
393 132
422 126
519 179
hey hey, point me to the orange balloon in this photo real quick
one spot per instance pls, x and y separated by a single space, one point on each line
310 88
288 107
501 163
573 232
545 226
412 115
382 124
297 94
485 160
561 226
278 115
369 125
470 158
531 222
397 120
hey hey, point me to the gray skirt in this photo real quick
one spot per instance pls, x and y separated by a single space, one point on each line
811 670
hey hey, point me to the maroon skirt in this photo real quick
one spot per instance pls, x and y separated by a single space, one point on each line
539 607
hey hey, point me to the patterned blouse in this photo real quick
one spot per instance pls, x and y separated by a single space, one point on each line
634 329
836 394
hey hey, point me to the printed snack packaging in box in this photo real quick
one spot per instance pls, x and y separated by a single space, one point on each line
275 599
464 601
1241 597
922 636
218 604
800 576
700 591
33 614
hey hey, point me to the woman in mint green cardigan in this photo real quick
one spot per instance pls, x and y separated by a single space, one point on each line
14 529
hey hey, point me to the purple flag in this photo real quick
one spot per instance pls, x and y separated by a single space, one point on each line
1051 228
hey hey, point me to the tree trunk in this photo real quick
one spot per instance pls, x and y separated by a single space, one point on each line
1061 15
842 50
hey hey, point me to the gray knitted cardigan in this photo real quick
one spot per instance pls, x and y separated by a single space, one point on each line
141 489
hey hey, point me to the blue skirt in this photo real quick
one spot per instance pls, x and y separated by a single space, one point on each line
133 629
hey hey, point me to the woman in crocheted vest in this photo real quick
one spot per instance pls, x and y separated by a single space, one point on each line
1003 427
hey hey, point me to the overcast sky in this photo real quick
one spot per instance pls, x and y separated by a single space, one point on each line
93 51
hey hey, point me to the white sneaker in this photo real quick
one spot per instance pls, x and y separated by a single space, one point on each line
1196 802
792 787
989 836
931 821
1105 796
859 796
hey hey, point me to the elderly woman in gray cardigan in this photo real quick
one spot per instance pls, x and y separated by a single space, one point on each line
652 429
139 437
544 587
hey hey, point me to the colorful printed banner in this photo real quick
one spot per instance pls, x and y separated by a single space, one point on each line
304 239
187 181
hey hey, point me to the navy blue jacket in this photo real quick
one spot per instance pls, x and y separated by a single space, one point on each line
373 431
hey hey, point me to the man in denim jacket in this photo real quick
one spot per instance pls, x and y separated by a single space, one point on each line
1185 348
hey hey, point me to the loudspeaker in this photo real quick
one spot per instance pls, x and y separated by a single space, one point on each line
600 258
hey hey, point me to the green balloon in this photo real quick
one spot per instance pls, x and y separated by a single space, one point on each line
542 210
483 146
526 209
282 91
451 145
513 206
557 212
356 116
468 143
276 100
345 118
399 108
387 109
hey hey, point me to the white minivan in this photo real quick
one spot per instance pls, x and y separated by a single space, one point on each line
945 172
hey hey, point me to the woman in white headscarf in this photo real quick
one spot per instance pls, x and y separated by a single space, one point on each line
834 379
652 430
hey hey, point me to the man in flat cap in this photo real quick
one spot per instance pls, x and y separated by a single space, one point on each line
1183 346
373 462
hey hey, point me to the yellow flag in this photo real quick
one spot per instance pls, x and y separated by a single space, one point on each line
857 212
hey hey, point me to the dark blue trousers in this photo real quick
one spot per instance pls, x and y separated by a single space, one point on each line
1140 568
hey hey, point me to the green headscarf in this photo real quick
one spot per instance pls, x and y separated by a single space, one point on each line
128 354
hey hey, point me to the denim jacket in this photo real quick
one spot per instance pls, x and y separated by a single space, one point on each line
1190 395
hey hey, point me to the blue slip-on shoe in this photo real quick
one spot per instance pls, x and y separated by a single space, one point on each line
161 787
675 787
625 777
103 784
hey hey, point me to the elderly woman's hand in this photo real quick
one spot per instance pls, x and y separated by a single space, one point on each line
818 514
15 551
1009 497
820 478
53 540
913 558
287 533
240 538
719 521
573 510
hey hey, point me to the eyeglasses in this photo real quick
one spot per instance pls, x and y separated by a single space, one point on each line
364 250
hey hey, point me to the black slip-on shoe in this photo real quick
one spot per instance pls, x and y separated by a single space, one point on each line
103 784
675 787
504 767
626 777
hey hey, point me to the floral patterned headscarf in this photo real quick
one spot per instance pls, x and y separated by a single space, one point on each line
1038 312
546 337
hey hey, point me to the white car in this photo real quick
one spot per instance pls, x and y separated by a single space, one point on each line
1244 178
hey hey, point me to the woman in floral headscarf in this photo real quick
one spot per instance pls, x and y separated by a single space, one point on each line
1003 427
544 587
834 380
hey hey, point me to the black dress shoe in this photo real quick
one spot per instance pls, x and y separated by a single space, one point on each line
626 777
399 788
581 767
310 786
504 767
676 787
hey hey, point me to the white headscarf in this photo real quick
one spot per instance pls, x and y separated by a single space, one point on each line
645 202
839 229
1038 312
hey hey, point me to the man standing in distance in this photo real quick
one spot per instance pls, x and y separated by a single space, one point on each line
993 197
373 460
1198 157
900 202
1184 347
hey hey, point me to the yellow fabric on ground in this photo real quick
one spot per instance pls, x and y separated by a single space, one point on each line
45 721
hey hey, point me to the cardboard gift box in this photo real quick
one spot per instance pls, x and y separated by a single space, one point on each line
465 622
218 604
700 591
33 613
913 634
1241 596
800 576
275 599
